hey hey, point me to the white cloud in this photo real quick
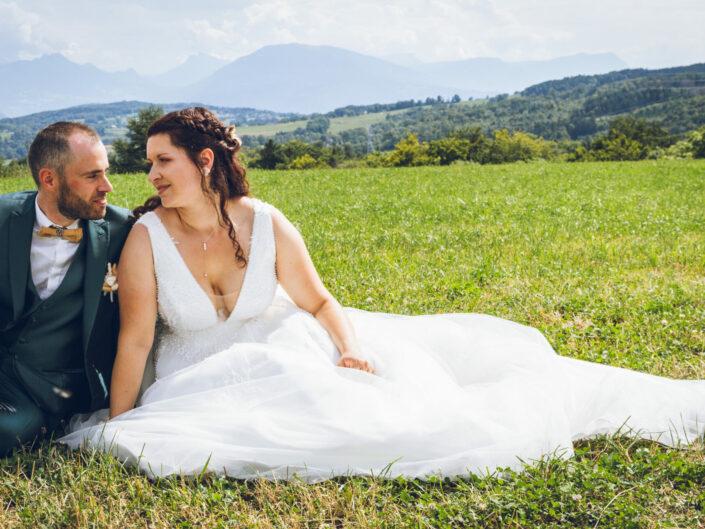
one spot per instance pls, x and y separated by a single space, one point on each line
19 38
152 38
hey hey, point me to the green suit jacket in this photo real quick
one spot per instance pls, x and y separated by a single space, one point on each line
100 320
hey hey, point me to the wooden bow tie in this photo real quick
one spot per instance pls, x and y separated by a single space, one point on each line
71 235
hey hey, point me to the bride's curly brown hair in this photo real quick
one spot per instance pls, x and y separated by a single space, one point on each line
195 129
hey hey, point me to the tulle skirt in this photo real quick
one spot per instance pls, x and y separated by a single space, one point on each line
453 394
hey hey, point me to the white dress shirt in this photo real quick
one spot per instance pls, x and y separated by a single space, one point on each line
49 257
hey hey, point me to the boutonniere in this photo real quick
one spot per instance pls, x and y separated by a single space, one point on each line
110 284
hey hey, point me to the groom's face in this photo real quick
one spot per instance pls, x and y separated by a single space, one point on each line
83 185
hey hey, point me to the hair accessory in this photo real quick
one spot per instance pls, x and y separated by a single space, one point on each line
233 135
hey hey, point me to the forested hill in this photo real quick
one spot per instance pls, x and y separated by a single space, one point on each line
108 119
574 108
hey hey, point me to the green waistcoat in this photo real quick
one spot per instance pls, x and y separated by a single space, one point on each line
45 344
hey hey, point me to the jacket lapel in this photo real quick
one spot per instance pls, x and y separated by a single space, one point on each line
21 223
97 239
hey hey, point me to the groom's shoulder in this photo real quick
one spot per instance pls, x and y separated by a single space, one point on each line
119 220
14 202
117 215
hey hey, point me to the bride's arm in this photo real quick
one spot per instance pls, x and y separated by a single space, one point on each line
138 315
299 278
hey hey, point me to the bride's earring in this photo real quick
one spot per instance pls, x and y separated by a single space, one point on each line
207 171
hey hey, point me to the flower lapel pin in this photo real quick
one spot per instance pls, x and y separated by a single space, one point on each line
110 284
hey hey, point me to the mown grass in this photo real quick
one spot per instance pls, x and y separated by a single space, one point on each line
606 259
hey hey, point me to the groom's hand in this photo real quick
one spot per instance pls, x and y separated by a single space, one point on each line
355 363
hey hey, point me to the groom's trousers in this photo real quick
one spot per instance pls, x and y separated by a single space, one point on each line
21 420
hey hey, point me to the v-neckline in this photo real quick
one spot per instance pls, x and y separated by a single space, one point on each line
193 277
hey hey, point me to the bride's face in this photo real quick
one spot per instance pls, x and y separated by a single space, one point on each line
175 177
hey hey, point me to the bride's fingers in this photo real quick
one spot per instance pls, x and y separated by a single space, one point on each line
355 363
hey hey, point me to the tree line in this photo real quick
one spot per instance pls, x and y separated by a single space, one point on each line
627 138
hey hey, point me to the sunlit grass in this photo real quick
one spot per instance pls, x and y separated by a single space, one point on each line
608 260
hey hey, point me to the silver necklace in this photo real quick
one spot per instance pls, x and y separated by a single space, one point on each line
204 242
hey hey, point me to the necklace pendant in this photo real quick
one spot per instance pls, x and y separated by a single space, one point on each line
205 274
204 246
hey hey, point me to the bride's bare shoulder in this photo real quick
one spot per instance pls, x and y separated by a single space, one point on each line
137 252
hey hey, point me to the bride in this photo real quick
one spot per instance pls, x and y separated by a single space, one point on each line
258 371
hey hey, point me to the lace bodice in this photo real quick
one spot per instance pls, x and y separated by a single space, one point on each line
188 326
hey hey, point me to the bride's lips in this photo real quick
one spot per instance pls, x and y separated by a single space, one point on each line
162 188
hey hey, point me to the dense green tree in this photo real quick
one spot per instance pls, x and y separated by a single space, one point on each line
648 134
517 146
270 156
409 152
129 154
448 150
305 161
617 147
479 144
318 124
13 168
698 143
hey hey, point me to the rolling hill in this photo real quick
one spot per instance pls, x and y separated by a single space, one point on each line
109 120
574 108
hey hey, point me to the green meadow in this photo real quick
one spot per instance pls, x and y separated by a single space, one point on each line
606 259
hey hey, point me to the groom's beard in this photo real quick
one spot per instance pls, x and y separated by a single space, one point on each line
72 206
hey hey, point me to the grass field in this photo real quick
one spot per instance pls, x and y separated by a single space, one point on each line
607 259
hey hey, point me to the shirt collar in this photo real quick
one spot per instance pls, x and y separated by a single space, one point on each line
40 219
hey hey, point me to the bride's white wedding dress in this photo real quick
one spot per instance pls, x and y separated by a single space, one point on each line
259 393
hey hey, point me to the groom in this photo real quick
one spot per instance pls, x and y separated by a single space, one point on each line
57 331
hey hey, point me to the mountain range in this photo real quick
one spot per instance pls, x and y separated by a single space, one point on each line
282 78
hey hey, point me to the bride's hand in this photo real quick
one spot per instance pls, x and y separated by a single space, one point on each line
352 361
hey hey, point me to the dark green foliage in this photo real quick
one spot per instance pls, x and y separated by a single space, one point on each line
13 168
271 155
129 154
628 138
318 124
699 144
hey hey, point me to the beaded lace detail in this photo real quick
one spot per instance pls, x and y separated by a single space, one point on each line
188 327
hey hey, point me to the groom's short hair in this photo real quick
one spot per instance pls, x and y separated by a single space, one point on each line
51 148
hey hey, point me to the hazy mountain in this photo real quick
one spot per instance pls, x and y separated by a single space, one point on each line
299 78
52 81
285 78
192 70
496 76
408 60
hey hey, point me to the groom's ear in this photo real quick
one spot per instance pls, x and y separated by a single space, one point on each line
48 179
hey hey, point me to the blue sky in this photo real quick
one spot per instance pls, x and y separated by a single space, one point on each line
154 36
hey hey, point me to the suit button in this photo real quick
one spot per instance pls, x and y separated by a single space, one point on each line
22 340
34 319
